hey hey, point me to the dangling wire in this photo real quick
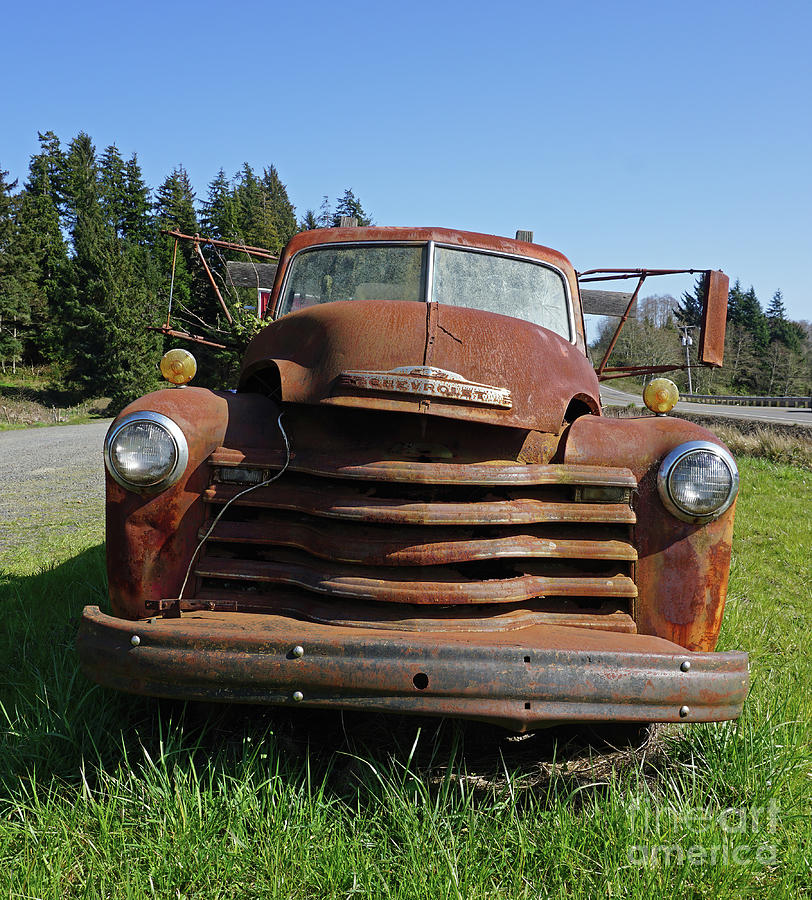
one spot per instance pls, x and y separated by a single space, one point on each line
219 515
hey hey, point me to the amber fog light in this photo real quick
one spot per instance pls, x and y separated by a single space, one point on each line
178 366
661 396
146 451
698 481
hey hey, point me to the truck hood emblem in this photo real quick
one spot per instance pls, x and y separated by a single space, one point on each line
428 381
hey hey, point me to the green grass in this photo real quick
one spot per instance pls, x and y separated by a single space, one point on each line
103 795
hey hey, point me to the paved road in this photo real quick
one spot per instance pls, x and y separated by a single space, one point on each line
51 480
778 414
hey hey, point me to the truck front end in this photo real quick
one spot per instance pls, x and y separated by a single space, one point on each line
412 503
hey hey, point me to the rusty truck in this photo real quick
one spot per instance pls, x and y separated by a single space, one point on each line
413 503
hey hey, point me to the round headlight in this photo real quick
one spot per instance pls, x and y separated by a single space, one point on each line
146 451
698 481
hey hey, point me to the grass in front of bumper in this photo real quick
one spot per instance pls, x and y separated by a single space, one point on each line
107 795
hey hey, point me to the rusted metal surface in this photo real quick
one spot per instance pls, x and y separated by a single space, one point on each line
606 615
340 464
394 544
427 381
355 504
714 316
372 545
308 351
589 275
150 539
682 570
213 283
186 336
519 680
262 252
625 371
714 319
417 585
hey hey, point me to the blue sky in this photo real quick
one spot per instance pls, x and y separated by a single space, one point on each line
623 134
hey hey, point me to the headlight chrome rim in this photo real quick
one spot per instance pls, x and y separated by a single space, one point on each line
175 433
677 455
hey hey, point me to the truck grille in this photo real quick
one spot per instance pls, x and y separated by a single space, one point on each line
334 536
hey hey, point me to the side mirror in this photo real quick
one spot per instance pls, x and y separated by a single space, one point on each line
714 318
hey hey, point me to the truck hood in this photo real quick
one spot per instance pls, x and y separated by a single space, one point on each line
432 359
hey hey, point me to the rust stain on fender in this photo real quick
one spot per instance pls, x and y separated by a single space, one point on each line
683 568
150 539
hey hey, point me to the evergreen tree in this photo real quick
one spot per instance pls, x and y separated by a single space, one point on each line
84 301
113 189
255 217
174 209
350 205
40 235
781 330
14 275
136 218
109 350
309 221
175 203
689 310
282 212
6 218
734 300
132 350
49 165
776 310
754 320
218 212
81 194
106 348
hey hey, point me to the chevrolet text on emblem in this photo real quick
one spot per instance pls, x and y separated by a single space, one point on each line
427 381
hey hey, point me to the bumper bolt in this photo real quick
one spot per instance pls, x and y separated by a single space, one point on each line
135 640
298 696
684 710
298 651
685 665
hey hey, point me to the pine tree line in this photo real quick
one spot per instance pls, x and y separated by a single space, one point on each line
85 268
766 354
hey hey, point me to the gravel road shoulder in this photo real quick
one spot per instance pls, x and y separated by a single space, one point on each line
51 483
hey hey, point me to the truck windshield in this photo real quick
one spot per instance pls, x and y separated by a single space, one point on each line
514 287
501 284
354 272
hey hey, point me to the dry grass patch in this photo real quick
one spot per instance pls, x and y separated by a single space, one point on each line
787 444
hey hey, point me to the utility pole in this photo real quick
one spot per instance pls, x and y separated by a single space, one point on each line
687 341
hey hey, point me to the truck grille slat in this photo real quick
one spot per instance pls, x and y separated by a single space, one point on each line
432 585
505 472
416 545
356 504
606 615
